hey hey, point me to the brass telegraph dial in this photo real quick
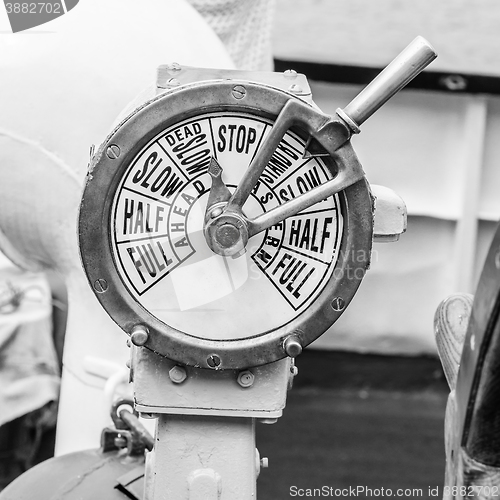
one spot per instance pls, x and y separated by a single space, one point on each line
227 221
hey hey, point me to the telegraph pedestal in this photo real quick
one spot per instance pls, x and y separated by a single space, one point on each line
205 427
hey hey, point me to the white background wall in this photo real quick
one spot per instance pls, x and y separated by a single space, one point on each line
369 33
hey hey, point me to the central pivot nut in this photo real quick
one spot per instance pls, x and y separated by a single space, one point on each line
227 235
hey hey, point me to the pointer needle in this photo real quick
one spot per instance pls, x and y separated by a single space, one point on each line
219 193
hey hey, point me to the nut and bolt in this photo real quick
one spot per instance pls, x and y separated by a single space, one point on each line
239 92
338 304
290 74
100 285
227 235
177 374
213 361
264 462
139 335
246 378
113 152
292 346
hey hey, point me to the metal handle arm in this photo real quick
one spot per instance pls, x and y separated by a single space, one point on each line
349 172
286 119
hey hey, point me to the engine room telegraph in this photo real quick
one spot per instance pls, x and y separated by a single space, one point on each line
230 218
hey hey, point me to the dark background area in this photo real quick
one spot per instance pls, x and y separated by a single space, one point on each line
358 420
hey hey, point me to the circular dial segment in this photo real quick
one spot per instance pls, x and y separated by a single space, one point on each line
160 249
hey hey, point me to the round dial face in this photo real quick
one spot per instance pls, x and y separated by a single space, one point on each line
159 247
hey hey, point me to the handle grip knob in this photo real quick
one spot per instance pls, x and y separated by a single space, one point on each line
404 68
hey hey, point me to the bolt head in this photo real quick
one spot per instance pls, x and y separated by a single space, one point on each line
246 378
290 74
113 152
100 285
338 304
139 335
264 462
213 361
239 92
227 235
177 374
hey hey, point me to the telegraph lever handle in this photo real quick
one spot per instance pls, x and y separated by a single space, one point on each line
404 68
227 230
